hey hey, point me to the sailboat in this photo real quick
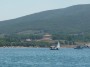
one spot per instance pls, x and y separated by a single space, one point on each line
55 47
58 45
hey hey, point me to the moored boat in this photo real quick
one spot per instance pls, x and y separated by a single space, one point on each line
78 47
55 47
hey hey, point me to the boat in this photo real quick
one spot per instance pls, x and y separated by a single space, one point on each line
86 46
78 47
58 45
82 46
55 47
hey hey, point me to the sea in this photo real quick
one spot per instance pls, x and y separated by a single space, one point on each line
44 57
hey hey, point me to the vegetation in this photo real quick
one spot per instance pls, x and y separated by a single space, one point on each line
67 20
69 25
20 40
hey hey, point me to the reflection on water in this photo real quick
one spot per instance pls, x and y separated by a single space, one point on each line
43 57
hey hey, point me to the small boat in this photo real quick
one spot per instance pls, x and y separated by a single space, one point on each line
86 46
82 46
55 47
78 47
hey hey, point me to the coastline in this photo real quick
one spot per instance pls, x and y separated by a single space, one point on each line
62 46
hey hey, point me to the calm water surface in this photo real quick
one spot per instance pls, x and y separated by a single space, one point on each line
43 57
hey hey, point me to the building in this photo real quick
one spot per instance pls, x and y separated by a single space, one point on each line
47 37
28 39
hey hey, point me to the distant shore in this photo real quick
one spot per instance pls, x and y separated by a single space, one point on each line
63 46
68 46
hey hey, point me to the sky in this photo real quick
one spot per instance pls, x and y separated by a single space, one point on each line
10 9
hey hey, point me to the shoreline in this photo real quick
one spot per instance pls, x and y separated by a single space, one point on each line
63 46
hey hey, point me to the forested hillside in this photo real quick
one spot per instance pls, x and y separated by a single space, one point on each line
66 20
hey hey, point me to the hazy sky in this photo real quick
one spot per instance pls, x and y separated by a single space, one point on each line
15 8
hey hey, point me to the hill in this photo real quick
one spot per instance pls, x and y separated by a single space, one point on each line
66 20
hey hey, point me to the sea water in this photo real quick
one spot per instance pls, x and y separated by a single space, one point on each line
44 57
